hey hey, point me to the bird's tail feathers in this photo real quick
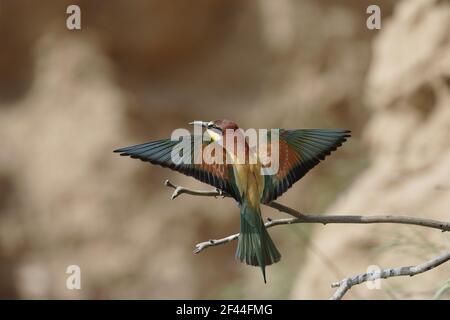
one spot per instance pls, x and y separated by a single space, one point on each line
255 246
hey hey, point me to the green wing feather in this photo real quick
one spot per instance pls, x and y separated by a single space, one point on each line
299 152
161 152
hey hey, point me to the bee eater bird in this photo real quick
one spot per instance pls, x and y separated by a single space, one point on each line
298 152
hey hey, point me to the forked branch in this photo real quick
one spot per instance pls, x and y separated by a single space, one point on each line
319 218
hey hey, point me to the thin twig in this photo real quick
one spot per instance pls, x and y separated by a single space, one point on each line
180 190
345 284
215 242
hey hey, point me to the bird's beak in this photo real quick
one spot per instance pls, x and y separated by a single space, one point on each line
199 123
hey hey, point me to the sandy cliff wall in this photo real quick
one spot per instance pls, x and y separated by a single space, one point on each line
408 136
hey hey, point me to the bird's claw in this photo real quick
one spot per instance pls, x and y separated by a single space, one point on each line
220 193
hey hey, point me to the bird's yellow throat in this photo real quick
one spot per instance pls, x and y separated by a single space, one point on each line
214 135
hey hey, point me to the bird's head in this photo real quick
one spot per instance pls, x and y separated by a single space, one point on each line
217 128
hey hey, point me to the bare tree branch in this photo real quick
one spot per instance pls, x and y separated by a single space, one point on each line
345 284
319 218
298 217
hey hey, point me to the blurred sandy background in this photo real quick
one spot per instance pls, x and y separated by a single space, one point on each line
139 69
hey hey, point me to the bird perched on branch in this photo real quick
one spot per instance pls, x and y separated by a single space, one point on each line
240 170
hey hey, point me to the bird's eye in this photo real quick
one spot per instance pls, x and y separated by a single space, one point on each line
214 126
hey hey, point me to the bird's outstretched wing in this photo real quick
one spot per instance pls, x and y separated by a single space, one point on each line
299 152
161 152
